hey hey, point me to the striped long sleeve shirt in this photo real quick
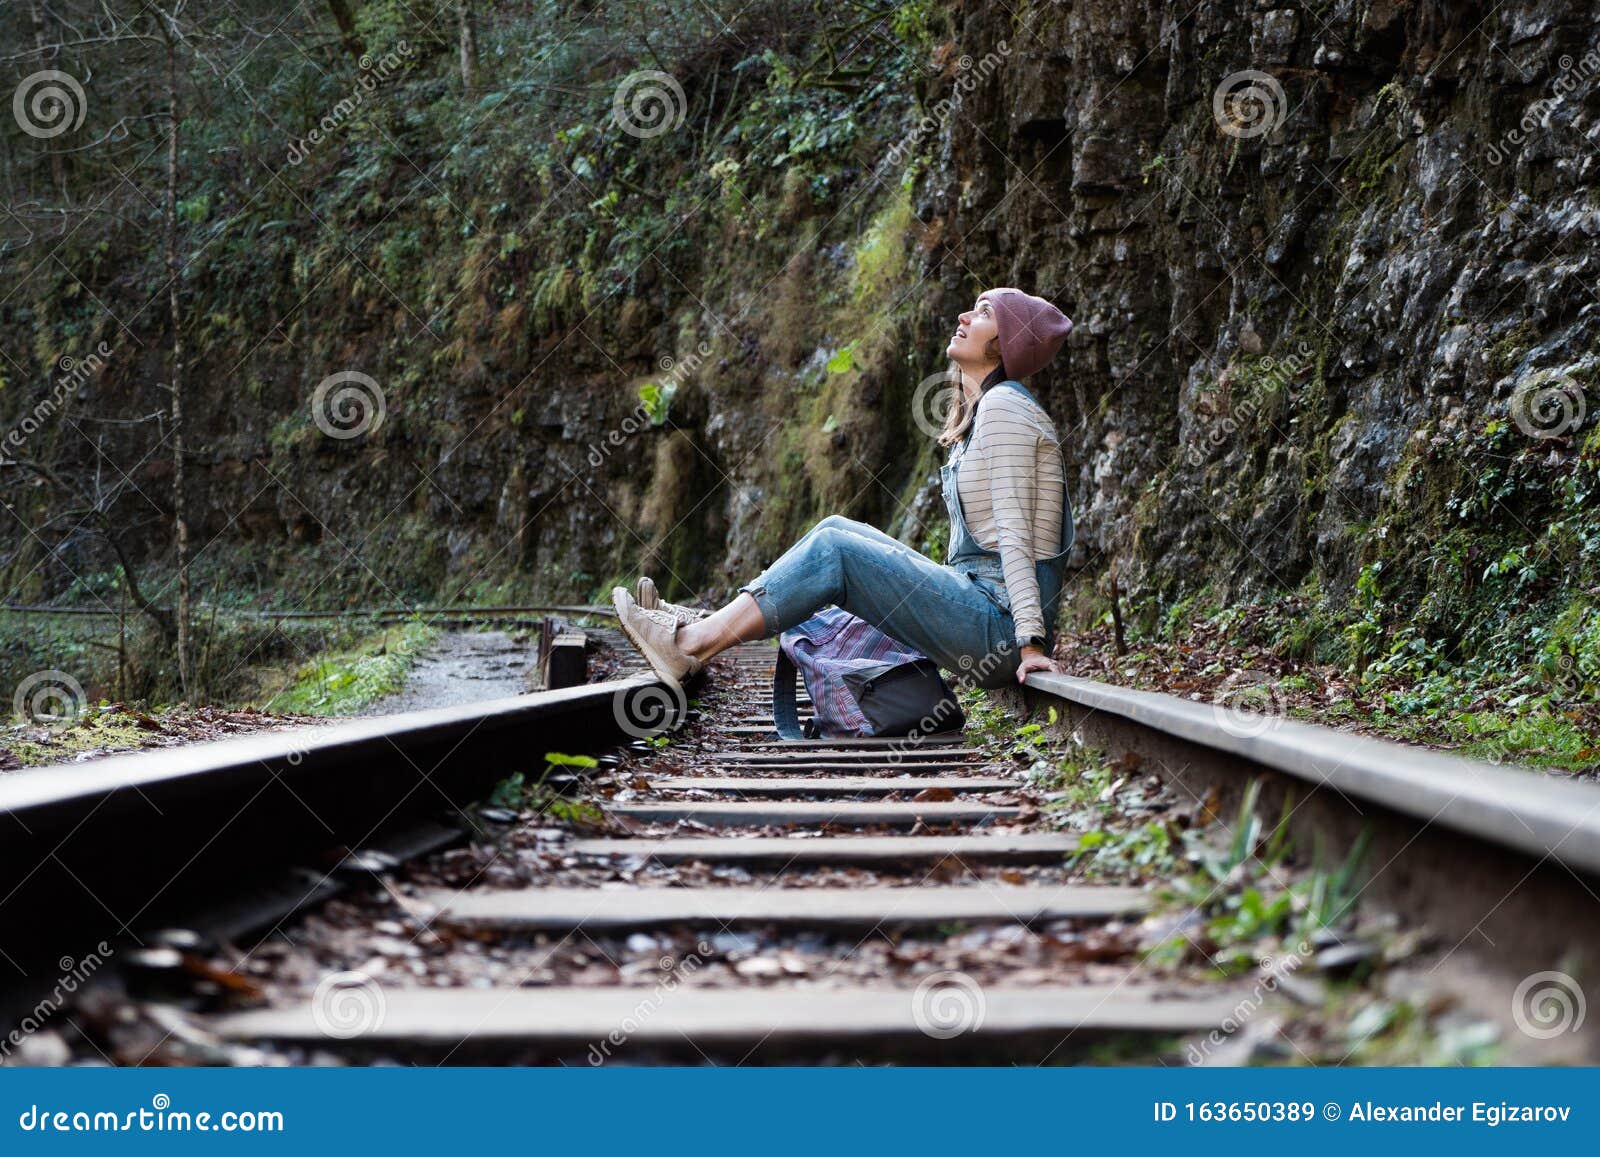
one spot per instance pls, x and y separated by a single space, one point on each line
1010 486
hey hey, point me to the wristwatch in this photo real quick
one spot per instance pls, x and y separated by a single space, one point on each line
1032 641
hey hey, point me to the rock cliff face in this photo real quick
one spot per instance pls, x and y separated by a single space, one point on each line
1314 253
1332 269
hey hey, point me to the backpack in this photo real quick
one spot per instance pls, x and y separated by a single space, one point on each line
861 681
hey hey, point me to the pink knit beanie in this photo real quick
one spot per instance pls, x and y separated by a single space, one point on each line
1031 330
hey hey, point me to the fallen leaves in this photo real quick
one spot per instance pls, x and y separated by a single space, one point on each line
117 728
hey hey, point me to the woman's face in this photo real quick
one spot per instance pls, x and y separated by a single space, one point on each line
973 343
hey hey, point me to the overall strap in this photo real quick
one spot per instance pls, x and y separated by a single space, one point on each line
785 715
1012 382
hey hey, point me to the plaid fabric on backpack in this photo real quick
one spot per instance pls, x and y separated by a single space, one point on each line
861 681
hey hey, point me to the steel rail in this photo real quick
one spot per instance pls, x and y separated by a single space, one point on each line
132 841
375 612
1517 809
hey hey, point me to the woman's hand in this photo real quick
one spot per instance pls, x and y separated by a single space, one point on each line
1033 659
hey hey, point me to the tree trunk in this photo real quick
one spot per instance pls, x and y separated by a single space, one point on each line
179 493
98 509
1117 636
347 30
469 48
130 583
58 167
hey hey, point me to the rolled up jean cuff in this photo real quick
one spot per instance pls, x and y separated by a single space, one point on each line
769 607
931 607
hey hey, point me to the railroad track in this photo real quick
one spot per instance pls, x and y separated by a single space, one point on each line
519 612
715 895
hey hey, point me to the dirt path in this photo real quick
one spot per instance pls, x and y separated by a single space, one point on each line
463 667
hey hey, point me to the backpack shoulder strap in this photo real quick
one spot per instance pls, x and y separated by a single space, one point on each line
785 715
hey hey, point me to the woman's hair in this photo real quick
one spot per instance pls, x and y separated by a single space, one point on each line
961 412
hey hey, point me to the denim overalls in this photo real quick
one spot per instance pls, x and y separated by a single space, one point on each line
956 612
982 565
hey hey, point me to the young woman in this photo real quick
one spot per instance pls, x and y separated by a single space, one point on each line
989 610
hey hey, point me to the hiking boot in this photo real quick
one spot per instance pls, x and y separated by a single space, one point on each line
654 633
644 593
